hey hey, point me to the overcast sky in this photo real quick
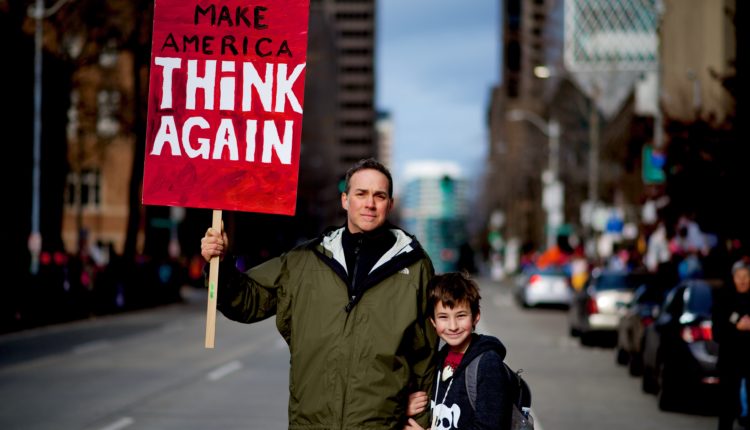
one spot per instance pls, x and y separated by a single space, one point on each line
436 63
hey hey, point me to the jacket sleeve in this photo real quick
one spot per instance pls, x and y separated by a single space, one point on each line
251 296
494 399
720 316
425 342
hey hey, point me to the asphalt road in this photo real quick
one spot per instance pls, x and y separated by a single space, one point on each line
150 370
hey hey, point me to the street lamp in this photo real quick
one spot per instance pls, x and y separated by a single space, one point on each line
38 12
552 199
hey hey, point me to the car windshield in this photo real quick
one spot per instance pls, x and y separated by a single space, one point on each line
620 280
698 299
648 294
551 271
547 271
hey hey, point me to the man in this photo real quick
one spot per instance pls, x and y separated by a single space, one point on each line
352 307
732 331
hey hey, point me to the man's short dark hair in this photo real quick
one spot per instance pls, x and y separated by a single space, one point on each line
369 163
451 289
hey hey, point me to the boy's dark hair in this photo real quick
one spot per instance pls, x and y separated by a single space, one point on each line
369 163
451 289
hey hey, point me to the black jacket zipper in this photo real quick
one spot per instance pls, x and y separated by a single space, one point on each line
353 292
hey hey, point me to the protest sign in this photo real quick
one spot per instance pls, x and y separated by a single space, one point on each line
225 105
225 109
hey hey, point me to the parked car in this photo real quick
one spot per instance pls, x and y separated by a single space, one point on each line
549 287
595 311
639 314
679 355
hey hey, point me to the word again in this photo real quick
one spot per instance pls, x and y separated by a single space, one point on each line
225 139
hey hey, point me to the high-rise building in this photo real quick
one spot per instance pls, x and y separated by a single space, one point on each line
354 23
434 207
384 133
518 152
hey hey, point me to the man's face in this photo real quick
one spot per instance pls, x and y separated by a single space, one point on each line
367 203
742 280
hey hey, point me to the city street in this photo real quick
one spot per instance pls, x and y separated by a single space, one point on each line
149 370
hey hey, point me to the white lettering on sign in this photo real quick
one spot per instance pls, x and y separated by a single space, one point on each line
205 81
229 138
225 139
168 64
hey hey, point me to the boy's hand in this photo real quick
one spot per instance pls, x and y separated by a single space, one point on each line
412 425
418 401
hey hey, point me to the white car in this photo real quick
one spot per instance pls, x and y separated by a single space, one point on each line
598 308
544 287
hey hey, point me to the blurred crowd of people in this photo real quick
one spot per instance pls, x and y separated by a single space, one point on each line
680 251
95 281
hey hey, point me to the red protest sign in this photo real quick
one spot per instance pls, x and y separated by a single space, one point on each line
225 104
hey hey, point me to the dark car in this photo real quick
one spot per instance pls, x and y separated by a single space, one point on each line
639 314
595 311
679 355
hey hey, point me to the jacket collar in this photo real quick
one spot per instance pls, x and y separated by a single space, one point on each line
332 243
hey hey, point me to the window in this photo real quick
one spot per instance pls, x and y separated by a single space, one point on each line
356 51
356 105
353 16
83 189
356 123
356 33
356 69
108 102
357 87
356 141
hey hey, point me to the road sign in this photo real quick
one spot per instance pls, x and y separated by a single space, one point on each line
653 166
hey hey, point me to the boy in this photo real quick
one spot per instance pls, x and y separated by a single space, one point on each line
454 311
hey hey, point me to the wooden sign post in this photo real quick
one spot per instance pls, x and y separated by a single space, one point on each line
213 291
225 109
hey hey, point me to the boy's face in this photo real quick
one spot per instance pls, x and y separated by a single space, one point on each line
455 325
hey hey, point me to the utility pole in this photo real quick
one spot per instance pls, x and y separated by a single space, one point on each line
593 192
38 12
35 238
552 198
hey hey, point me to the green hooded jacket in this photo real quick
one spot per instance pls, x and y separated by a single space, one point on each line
354 360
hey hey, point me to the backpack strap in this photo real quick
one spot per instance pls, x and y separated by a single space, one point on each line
470 377
522 394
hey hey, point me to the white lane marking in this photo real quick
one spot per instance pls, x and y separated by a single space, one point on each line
120 424
224 370
91 346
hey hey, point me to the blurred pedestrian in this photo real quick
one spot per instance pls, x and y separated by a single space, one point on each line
732 332
352 306
579 269
455 314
